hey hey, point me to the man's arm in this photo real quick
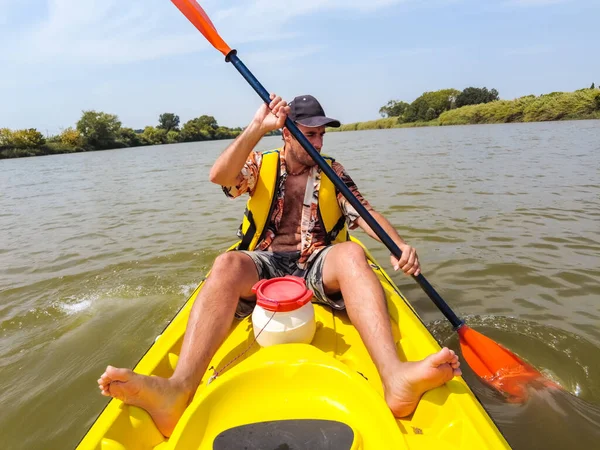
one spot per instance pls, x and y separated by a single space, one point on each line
385 224
409 262
227 167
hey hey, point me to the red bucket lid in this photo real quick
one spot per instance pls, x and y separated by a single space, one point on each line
282 294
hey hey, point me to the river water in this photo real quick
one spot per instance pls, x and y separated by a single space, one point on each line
99 250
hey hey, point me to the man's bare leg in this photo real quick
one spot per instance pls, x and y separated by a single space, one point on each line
346 269
232 276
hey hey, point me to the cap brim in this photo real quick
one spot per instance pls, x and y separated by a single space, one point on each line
319 121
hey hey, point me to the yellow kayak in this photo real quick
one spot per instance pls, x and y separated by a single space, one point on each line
326 395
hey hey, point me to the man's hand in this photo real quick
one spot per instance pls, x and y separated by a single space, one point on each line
409 262
227 167
272 117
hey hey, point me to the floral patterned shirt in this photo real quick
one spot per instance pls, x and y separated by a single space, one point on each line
312 231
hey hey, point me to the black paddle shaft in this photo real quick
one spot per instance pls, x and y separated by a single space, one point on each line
339 184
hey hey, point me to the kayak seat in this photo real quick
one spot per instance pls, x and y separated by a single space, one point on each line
302 434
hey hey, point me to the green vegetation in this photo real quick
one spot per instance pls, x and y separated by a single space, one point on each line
424 111
475 96
100 131
380 124
394 108
480 105
168 122
582 104
430 105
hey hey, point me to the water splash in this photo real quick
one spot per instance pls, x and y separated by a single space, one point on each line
74 305
563 357
187 289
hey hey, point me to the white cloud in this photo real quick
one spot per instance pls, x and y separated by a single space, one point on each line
116 31
100 32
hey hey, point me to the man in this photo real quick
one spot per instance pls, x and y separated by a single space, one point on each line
294 240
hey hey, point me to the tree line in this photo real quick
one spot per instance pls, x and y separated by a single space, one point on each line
447 106
430 105
581 104
479 106
101 131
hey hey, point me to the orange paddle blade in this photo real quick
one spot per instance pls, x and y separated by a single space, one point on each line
195 14
500 368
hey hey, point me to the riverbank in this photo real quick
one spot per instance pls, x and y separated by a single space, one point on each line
56 146
380 124
101 131
579 105
583 104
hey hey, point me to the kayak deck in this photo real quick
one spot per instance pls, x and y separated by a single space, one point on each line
305 396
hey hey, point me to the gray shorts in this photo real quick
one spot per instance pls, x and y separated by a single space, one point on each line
279 264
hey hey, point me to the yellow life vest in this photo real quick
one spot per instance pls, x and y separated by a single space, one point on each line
261 203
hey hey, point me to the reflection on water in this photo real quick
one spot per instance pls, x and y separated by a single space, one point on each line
99 250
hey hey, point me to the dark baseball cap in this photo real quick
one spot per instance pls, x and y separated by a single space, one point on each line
307 111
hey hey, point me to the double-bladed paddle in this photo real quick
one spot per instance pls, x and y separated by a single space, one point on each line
493 363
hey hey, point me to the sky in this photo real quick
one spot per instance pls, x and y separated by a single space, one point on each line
141 58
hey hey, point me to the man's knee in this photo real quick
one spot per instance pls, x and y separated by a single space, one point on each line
351 252
236 271
232 262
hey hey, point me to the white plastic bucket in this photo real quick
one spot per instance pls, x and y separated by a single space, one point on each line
283 312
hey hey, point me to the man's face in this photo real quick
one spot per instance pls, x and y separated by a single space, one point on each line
314 136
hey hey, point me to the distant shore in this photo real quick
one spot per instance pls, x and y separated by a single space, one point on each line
579 105
100 131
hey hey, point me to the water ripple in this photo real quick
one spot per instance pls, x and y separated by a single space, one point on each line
504 218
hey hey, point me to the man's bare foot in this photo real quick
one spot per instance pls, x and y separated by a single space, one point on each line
164 400
405 385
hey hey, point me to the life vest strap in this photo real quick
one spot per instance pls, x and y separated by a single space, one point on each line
250 232
339 226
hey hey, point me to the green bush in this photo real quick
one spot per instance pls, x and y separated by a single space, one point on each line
345 127
430 105
130 138
54 148
5 137
393 108
554 106
389 122
100 130
501 111
380 124
173 137
71 140
27 139
475 96
154 136
564 106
